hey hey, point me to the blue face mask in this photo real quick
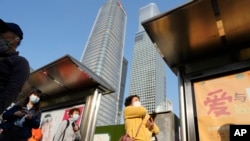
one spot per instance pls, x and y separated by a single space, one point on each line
75 117
3 45
34 99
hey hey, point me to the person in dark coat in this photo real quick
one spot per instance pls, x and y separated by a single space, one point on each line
21 118
15 69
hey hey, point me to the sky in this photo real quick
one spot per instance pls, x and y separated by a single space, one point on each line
55 28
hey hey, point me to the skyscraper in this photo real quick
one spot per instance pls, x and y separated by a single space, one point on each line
122 88
148 79
103 54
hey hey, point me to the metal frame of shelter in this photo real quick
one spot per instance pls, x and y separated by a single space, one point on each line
201 40
66 82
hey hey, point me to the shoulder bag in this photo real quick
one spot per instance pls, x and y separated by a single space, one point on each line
126 137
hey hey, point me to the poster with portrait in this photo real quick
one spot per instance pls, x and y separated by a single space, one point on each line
50 121
219 102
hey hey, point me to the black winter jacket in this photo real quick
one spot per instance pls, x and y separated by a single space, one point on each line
9 120
14 72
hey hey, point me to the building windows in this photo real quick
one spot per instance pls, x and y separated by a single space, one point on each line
139 38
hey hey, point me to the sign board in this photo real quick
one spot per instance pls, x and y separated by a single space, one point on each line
219 102
101 137
51 120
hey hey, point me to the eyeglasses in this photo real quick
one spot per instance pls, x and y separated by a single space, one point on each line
9 42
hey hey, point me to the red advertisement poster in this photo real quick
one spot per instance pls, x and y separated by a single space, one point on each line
66 114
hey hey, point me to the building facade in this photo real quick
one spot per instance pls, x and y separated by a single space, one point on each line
103 54
122 89
148 78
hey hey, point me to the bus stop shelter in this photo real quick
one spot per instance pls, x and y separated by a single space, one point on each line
206 43
66 82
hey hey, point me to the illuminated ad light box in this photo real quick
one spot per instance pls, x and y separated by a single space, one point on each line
220 102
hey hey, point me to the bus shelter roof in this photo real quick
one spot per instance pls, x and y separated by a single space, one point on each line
65 81
201 30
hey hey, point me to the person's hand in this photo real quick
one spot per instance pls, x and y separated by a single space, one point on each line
76 128
19 113
25 110
150 123
1 130
29 116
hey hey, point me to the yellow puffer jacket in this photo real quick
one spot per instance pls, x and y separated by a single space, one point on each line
133 117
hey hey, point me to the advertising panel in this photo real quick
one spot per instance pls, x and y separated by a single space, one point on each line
219 102
51 120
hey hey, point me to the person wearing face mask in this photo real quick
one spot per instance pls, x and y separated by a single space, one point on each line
46 126
15 69
68 130
138 124
21 118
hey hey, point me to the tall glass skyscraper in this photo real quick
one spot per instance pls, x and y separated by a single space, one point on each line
122 88
148 79
103 54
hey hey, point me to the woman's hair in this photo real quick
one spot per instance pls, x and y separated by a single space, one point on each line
26 100
46 119
129 99
71 111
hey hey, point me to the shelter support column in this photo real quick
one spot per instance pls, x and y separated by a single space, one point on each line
182 106
90 116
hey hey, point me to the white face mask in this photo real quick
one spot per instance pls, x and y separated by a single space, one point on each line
75 117
34 99
137 104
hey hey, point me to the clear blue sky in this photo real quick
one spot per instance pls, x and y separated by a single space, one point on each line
54 28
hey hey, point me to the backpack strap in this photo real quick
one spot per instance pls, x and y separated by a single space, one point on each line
63 134
138 128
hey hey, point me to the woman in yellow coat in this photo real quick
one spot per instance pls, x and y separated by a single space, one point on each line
136 115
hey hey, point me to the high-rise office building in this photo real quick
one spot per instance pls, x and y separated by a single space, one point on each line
103 54
148 79
122 88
